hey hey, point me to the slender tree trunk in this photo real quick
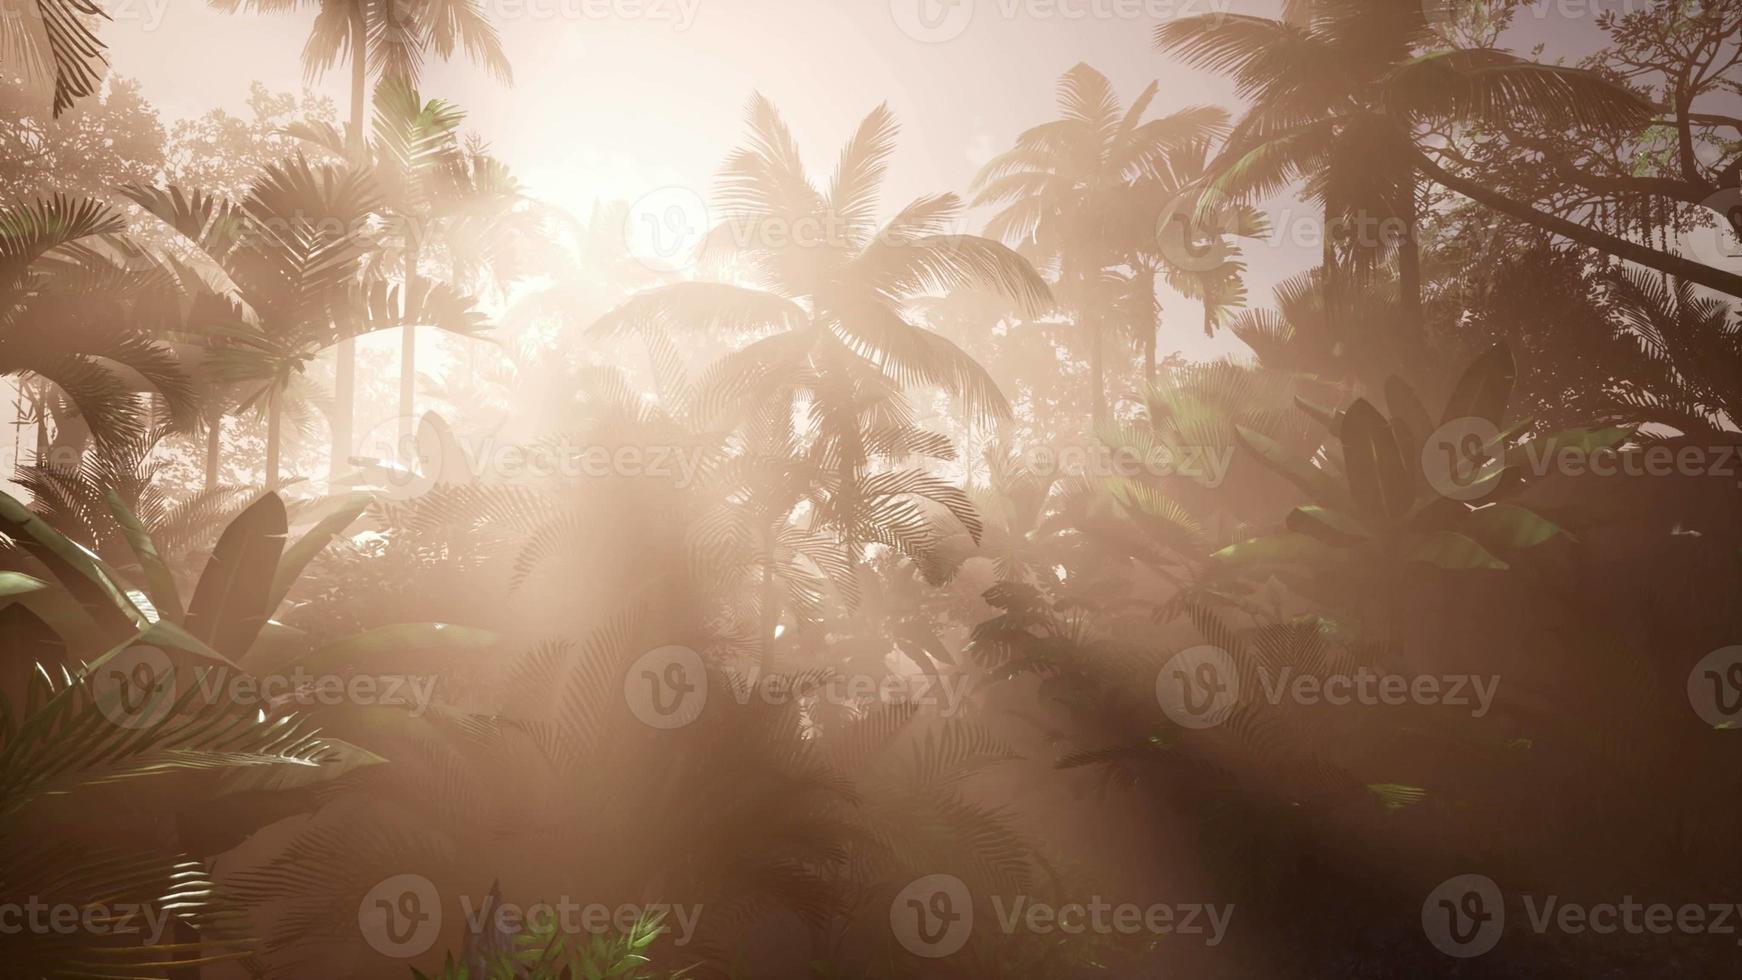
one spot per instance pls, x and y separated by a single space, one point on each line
274 436
408 341
214 442
1097 371
1728 283
1414 339
345 356
1328 267
770 603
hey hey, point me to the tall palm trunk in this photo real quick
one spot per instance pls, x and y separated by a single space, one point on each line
274 435
408 341
214 443
1328 264
345 357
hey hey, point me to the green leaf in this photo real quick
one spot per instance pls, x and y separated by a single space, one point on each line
18 583
1396 796
1402 403
159 583
1453 551
337 759
297 557
230 603
1329 419
1510 526
1291 546
1378 482
1332 527
96 586
1485 387
1314 482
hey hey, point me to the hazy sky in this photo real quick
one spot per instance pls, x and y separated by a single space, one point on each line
619 98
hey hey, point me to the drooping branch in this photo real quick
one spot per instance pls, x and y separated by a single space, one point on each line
1675 265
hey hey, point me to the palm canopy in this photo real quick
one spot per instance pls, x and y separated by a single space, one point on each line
397 35
280 280
81 308
54 40
1067 181
1342 95
433 187
835 284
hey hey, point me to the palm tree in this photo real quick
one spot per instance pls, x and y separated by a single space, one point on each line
291 252
837 343
435 190
1341 98
383 39
53 39
1066 183
80 312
